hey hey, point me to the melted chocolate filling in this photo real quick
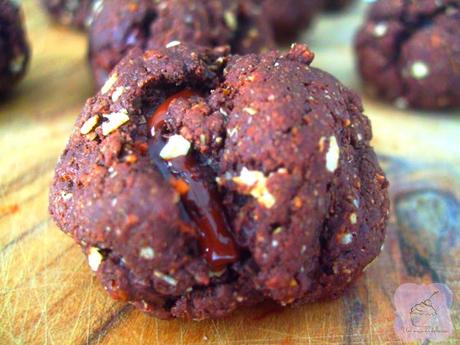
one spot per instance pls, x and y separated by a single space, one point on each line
200 202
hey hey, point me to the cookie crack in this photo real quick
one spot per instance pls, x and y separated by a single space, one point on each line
146 26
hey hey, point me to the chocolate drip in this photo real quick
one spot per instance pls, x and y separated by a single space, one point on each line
200 201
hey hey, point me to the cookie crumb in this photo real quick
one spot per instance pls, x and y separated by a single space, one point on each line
257 183
332 155
167 279
278 230
114 121
250 110
346 239
117 93
147 253
380 29
89 125
419 70
356 203
230 20
176 146
66 196
173 44
353 218
109 83
95 258
231 132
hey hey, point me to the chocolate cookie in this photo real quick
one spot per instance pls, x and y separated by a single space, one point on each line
14 49
409 52
290 16
74 13
121 25
197 183
336 5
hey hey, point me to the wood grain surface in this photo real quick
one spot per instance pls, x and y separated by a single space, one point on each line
49 296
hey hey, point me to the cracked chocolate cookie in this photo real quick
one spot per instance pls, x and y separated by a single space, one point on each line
75 13
409 52
14 48
197 183
289 17
121 25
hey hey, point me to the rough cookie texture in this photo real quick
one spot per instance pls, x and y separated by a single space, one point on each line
14 49
409 52
283 149
121 24
75 13
289 17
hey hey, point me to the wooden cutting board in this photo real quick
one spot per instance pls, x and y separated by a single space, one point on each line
49 296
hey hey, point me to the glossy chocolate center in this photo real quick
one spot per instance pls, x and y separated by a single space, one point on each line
200 201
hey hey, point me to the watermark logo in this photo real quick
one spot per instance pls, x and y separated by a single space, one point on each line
423 312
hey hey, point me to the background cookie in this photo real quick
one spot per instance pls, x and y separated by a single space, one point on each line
290 16
263 141
410 54
70 12
14 49
120 25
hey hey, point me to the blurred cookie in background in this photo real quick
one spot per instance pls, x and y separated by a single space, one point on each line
74 13
120 25
409 54
14 48
289 17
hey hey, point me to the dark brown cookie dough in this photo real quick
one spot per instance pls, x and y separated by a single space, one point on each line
197 183
14 49
336 5
409 52
121 25
74 13
289 17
